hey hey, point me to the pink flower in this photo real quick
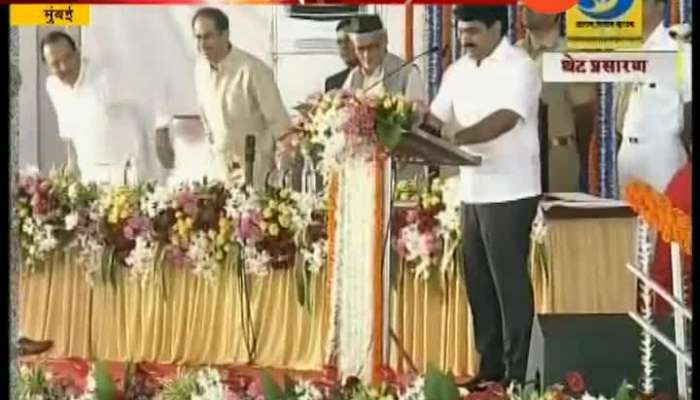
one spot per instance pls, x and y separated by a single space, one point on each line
412 216
176 256
136 226
44 187
40 205
186 200
249 227
431 243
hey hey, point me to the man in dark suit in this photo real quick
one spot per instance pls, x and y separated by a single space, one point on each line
347 53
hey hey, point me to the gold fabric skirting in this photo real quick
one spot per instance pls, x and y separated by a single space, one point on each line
193 321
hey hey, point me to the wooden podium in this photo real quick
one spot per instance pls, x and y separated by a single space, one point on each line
416 147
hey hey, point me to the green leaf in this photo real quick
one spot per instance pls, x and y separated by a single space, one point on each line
624 392
439 386
105 388
301 285
112 269
389 134
271 390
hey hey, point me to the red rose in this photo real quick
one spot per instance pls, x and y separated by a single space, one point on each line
575 383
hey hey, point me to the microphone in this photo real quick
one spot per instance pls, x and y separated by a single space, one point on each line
433 49
249 158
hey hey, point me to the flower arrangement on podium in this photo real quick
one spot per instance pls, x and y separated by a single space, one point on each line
341 124
426 235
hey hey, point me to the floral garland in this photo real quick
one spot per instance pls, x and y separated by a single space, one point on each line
426 235
208 383
657 209
202 225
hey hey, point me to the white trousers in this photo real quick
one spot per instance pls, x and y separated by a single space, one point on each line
652 160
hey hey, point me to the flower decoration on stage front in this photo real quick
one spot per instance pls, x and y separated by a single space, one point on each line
426 235
51 212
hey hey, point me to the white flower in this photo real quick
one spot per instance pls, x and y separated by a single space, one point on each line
449 220
71 221
256 262
315 258
414 391
451 192
141 260
411 238
157 201
73 191
306 391
29 170
201 253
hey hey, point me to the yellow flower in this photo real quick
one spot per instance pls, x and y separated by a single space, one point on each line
267 213
285 221
223 223
124 214
388 103
284 194
212 234
113 218
274 229
219 256
178 214
189 222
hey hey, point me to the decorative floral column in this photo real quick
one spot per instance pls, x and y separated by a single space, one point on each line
15 82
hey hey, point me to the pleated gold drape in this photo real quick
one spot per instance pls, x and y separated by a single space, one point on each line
198 322
587 267
433 324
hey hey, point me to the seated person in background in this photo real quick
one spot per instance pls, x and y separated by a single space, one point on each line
102 127
347 54
679 191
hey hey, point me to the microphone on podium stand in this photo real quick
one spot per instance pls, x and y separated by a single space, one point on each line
407 63
249 158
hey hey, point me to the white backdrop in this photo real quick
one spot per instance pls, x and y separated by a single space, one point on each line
153 47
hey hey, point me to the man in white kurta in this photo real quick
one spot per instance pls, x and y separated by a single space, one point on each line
103 128
238 97
652 146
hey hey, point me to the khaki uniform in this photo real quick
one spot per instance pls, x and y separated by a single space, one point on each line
560 98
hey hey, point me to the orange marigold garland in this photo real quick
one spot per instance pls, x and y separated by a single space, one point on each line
673 224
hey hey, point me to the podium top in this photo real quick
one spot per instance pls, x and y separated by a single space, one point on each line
420 147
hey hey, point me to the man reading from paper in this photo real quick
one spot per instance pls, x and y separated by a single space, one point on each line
103 129
491 94
238 97
378 70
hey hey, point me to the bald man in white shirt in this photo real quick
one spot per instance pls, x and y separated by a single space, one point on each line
103 128
491 95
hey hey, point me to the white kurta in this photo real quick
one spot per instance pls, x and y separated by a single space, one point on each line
651 149
105 128
239 97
